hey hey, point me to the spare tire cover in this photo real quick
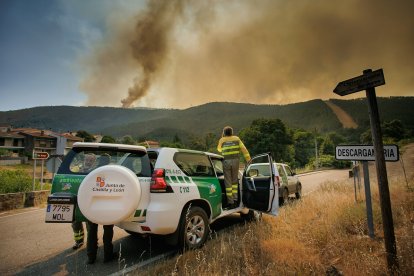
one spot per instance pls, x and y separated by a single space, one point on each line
109 194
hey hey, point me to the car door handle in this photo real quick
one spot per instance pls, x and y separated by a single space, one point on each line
250 184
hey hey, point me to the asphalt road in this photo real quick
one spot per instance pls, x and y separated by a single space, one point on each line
28 246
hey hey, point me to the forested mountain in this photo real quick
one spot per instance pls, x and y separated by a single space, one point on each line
199 120
393 108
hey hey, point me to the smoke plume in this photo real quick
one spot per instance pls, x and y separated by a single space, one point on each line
183 53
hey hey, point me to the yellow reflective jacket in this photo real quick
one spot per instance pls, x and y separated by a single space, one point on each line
230 147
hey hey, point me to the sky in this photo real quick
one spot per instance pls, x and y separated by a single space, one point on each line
182 53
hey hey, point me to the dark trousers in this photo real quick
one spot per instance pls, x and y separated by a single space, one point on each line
92 243
231 179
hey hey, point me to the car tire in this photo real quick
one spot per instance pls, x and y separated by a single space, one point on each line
298 193
252 216
194 228
284 198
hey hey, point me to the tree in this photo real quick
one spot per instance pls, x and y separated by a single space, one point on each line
392 131
127 139
108 139
268 135
210 141
196 143
87 137
330 141
304 147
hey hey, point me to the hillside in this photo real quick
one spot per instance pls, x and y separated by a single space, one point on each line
392 108
211 117
346 120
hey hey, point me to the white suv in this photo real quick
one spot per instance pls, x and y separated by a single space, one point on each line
166 191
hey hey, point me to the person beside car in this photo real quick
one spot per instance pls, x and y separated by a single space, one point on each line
230 146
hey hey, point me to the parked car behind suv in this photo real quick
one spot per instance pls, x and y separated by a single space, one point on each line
286 179
173 192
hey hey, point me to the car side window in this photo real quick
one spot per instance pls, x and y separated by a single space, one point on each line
193 164
137 163
153 155
288 171
218 166
281 171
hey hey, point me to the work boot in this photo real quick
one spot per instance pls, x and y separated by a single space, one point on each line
91 260
77 245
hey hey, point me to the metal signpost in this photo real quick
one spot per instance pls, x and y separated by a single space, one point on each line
39 156
367 82
366 153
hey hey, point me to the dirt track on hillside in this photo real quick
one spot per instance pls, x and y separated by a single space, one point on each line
346 120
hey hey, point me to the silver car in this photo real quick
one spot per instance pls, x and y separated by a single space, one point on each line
288 182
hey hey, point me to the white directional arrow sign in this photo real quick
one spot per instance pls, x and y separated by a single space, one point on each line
363 82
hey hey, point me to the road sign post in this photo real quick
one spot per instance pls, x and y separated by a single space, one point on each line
367 82
38 156
384 193
367 189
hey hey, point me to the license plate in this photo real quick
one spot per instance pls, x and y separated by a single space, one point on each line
59 212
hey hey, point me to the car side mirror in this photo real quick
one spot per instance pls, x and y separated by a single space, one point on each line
253 172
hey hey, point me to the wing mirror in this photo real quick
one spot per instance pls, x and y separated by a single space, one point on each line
253 173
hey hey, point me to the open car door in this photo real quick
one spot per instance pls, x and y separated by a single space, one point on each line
260 191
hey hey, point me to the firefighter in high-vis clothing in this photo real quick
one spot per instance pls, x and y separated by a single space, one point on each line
78 234
230 146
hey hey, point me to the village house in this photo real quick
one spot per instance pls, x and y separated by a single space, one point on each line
20 142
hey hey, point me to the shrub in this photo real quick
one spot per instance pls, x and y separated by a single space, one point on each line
328 161
14 181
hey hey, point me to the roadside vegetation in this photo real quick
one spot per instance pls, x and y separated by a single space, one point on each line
324 232
19 178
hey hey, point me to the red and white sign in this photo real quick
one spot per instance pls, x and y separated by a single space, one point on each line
40 155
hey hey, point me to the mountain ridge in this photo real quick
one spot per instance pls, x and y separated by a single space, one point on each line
198 120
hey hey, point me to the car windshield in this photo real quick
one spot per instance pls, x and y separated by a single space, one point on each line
85 160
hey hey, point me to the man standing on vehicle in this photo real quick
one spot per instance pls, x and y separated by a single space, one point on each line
230 146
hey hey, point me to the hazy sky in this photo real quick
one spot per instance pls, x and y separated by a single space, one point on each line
188 52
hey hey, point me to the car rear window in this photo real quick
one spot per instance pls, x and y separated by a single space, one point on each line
84 160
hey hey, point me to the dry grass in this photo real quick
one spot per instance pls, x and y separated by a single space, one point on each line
326 228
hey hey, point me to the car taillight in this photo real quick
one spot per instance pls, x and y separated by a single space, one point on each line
277 180
158 184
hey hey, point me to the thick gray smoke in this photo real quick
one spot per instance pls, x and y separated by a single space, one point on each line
183 53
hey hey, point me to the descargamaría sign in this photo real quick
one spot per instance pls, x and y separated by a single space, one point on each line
365 153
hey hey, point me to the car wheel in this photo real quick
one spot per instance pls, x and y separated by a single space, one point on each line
285 197
298 193
251 216
194 228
